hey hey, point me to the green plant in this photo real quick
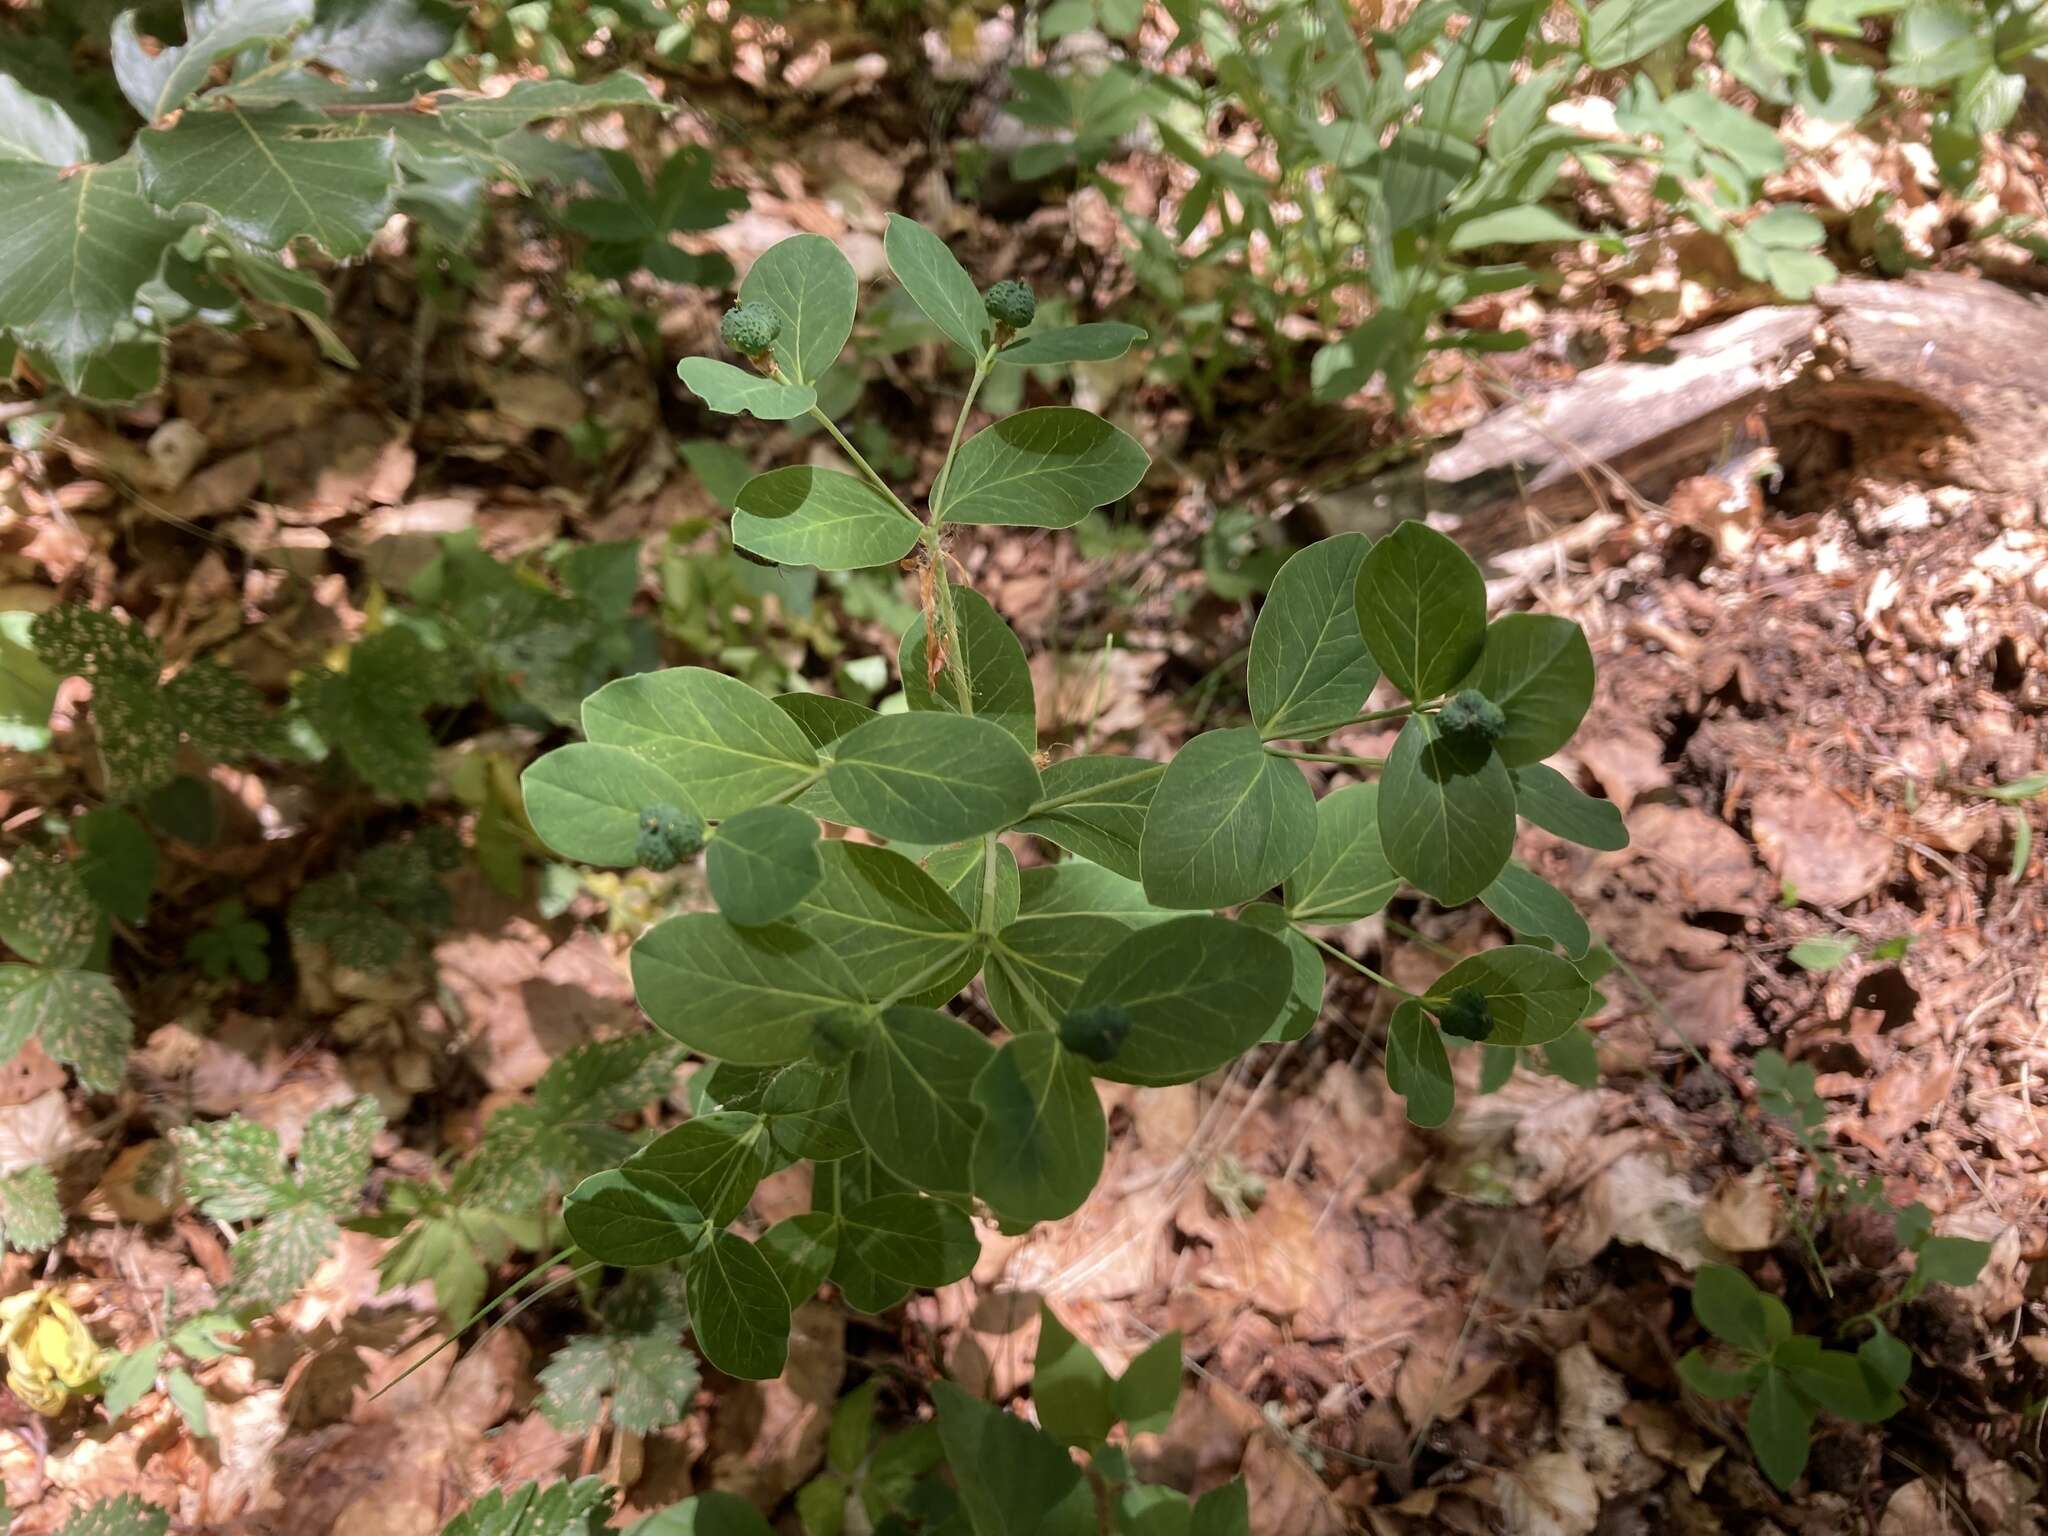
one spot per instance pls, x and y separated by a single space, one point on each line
191 1342
818 986
630 231
48 917
274 123
373 914
632 1370
1790 1377
234 1170
231 942
125 1516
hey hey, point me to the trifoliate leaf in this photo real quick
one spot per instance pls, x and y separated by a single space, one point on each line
334 1155
31 1219
232 1169
138 739
275 1258
219 710
81 1016
77 641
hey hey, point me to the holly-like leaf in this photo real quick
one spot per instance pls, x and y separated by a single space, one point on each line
1309 669
812 289
1551 801
1447 812
1042 468
802 515
274 176
762 862
1422 609
76 249
1042 1135
937 284
912 1096
730 745
31 1216
926 777
734 391
1228 822
161 82
989 653
1538 668
1346 876
1532 995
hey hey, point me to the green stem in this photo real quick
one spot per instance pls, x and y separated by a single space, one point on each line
1329 757
1398 712
1357 965
982 365
949 621
861 463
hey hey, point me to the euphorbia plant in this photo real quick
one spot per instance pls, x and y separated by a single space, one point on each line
819 988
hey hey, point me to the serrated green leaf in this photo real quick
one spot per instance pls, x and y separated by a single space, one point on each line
1532 994
803 515
1422 609
912 1096
937 284
1418 1068
272 177
1539 670
219 710
585 800
1309 669
31 1216
1531 905
729 744
1447 812
1098 341
124 1516
650 1379
738 390
565 1508
36 129
1346 876
275 1258
82 1019
762 862
1549 800
989 652
232 1169
1200 991
1228 822
1095 806
1042 1136
334 1155
47 914
749 995
161 82
811 288
738 1309
76 248
926 777
1042 468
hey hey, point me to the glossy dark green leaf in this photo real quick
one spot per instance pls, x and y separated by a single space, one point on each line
1446 811
1200 991
716 1160
729 744
1095 805
998 676
750 995
1538 668
1422 609
1309 668
912 1097
1042 468
762 862
912 1239
800 1250
1530 905
1418 1067
1228 822
803 515
1346 876
1096 342
1550 800
926 777
937 283
585 800
736 391
1042 1134
1533 994
629 1219
738 1309
811 286
158 83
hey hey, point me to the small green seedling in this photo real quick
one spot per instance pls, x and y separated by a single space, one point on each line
232 943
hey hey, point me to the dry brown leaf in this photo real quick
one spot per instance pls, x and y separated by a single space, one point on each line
1814 844
1741 1215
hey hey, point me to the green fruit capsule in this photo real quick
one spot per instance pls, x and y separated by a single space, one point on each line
1096 1032
1473 716
750 329
1010 303
1466 1015
668 836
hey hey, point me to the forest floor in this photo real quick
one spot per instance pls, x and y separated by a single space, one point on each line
1390 1331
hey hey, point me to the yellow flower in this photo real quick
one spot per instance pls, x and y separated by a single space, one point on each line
50 1352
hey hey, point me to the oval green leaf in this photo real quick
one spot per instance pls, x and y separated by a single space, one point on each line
811 286
1538 668
1309 668
731 745
1095 806
761 863
1305 998
911 1239
1042 1131
630 1219
925 777
715 1160
738 1309
1042 468
1228 822
1096 342
900 935
739 391
1418 1067
585 799
991 655
800 1250
1346 876
1422 609
748 995
937 283
1530 905
1447 812
912 1095
1551 801
1533 994
803 515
